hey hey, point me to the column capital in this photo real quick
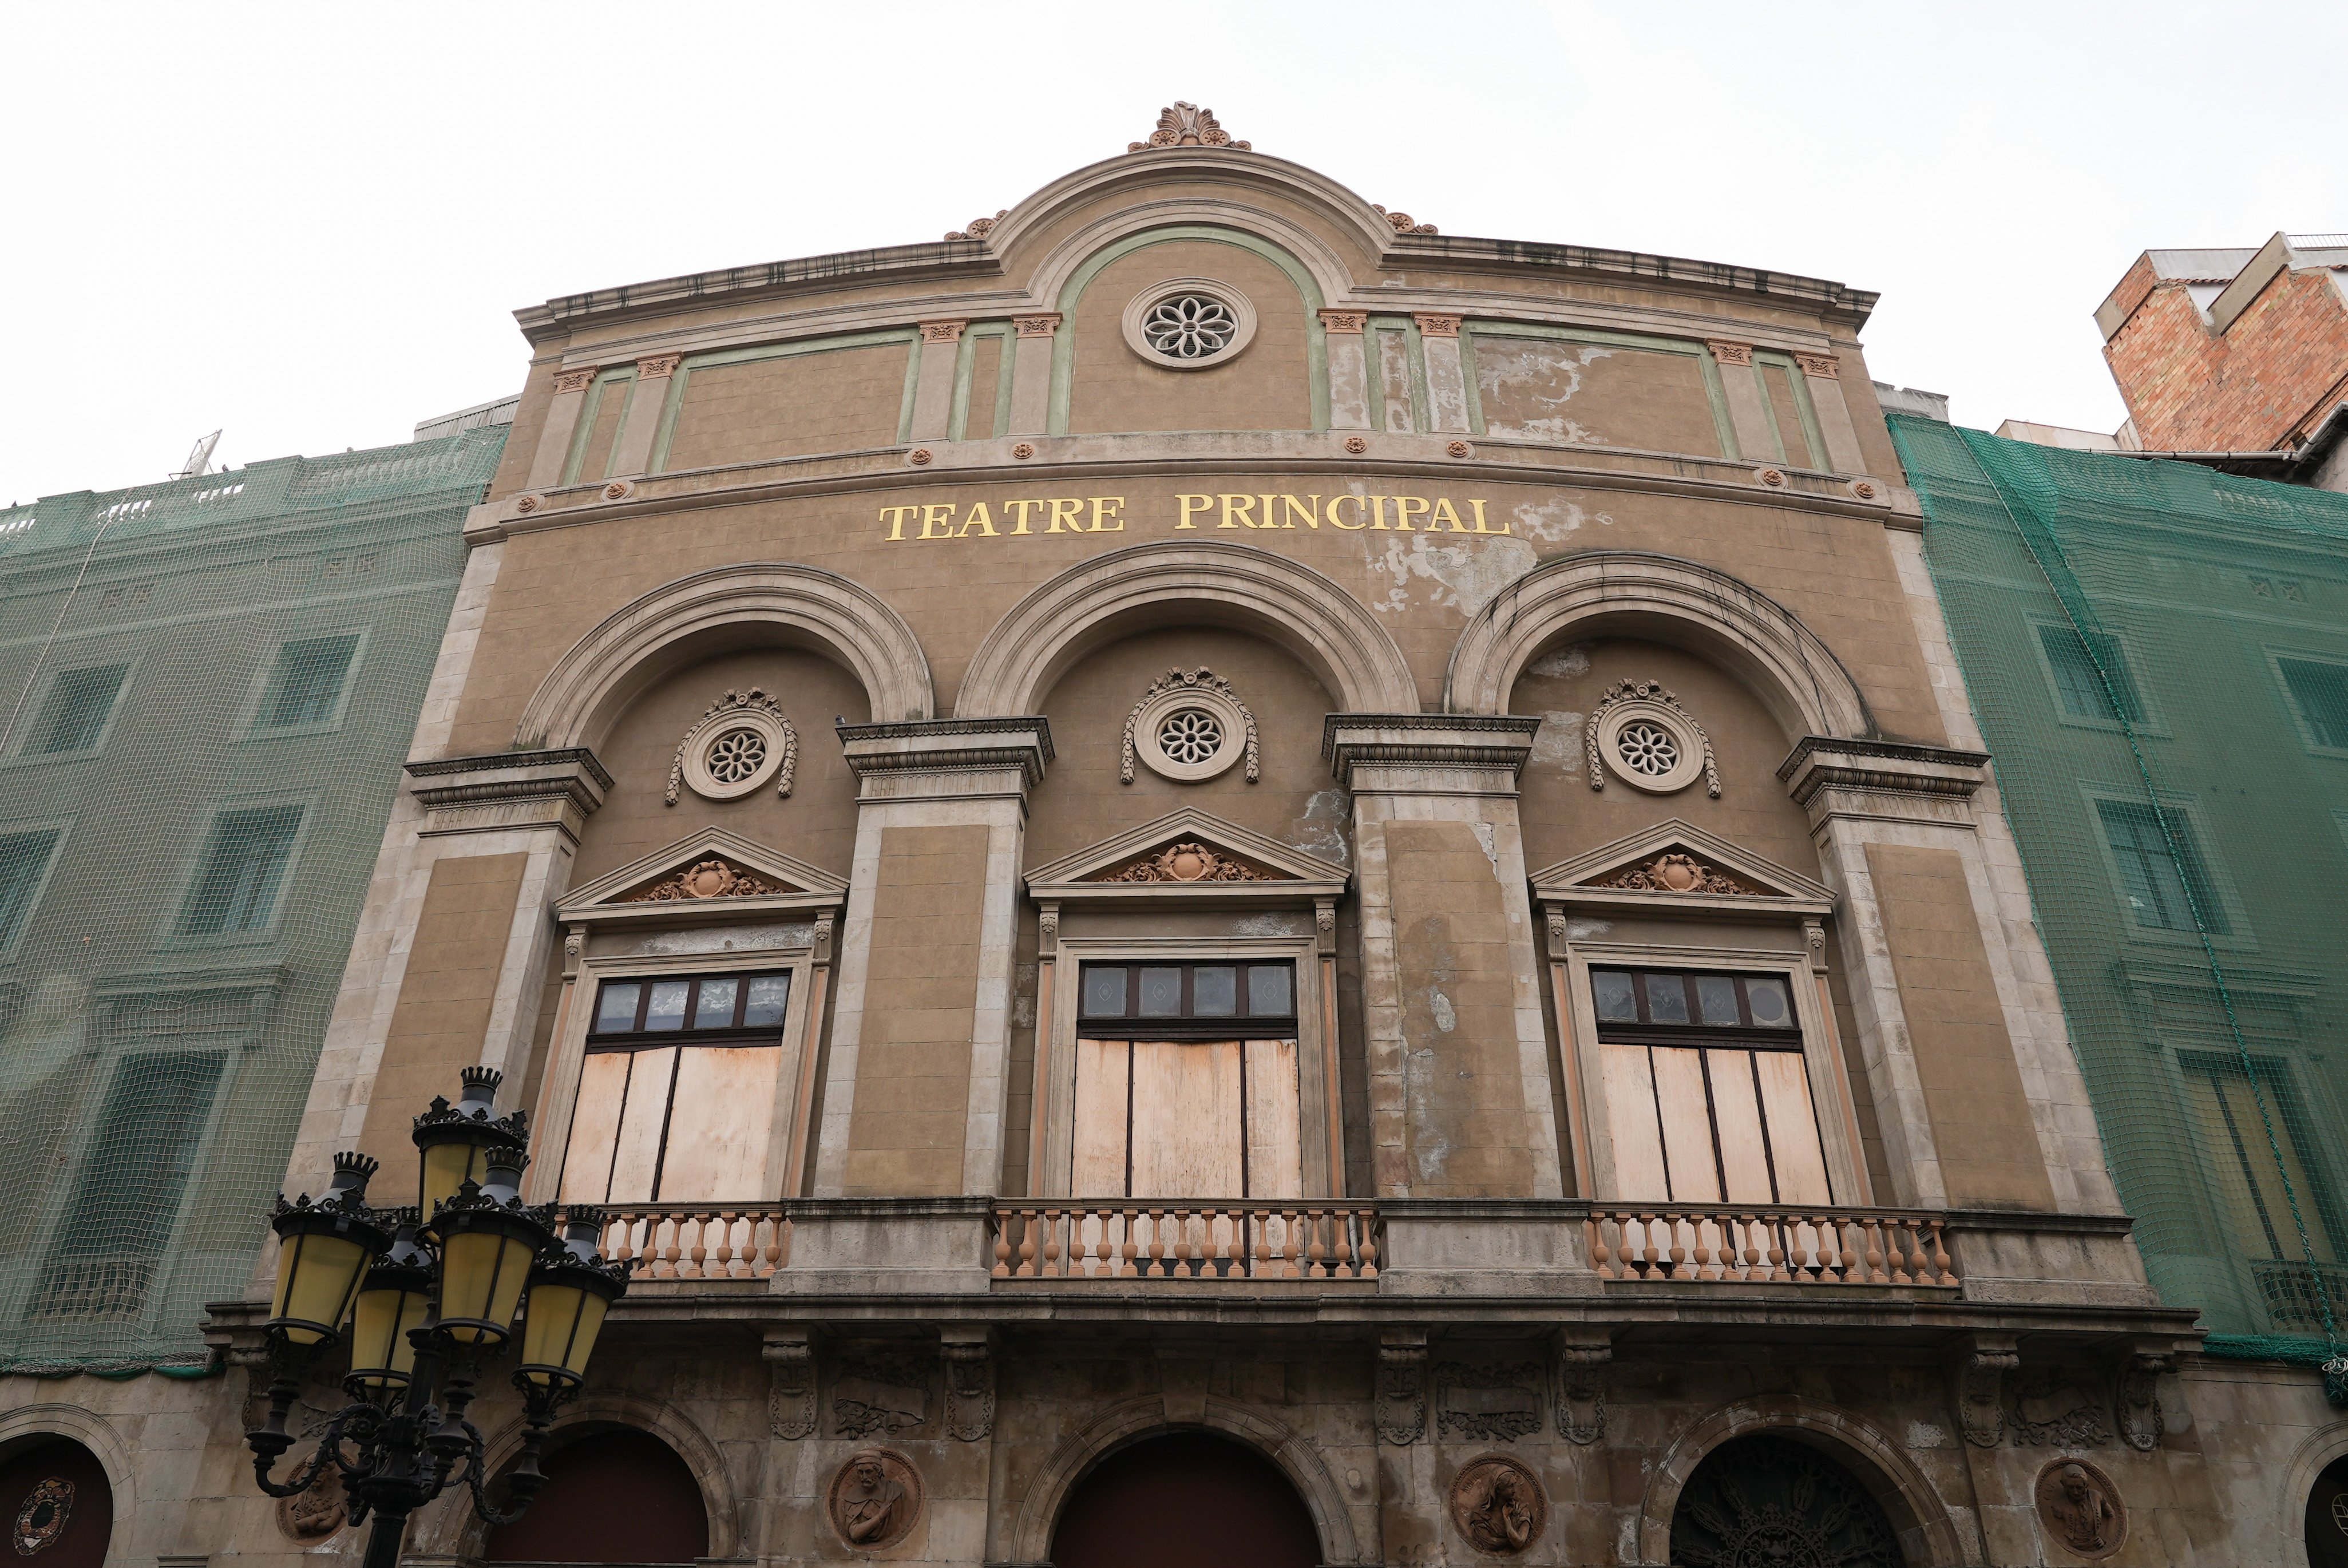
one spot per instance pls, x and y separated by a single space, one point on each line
1347 321
574 381
942 331
1042 326
658 366
1431 325
1427 753
1823 365
1730 352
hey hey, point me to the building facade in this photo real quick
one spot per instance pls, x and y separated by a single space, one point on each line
1204 871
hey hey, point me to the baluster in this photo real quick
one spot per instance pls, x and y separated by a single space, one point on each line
1230 1242
1157 1269
779 1241
1181 1268
1941 1257
1829 1250
1103 1265
1700 1255
622 1249
1753 1256
1051 1265
1871 1230
1601 1256
1676 1268
729 1255
1132 1244
1001 1269
668 1250
1293 1238
1776 1224
1315 1252
1895 1239
1366 1248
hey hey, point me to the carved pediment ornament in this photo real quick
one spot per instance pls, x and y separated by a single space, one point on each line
1190 725
1187 125
1641 734
704 879
1677 873
742 740
1188 862
979 227
1403 223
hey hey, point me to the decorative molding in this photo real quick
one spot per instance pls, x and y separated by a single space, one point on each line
1677 873
1024 450
2136 1400
1288 875
312 1514
1401 1410
1357 446
1460 449
1582 1392
969 1388
706 879
1981 1397
942 331
1351 322
1627 702
1730 352
753 713
1438 325
920 457
2081 1508
1498 1504
1594 879
1188 862
1486 750
1219 318
790 1392
1402 223
658 366
1775 479
619 490
1495 1401
979 227
1817 763
796 889
1043 326
574 381
1187 125
509 789
874 1499
1166 693
1825 364
2047 1406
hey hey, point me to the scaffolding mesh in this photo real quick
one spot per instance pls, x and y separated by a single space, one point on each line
206 690
2157 657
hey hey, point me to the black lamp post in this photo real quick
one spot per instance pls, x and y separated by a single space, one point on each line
424 1295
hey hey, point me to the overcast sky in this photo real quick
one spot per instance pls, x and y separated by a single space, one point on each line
310 224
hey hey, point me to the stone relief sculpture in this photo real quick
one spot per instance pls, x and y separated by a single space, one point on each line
2051 1406
2082 1509
1190 725
877 1394
970 1391
1402 1393
1639 733
742 740
791 1396
875 1498
1498 1402
1498 1505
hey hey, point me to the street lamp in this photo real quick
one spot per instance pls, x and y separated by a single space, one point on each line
423 1295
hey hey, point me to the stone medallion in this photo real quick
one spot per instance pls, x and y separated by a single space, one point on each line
2081 1509
874 1499
1498 1505
42 1518
316 1511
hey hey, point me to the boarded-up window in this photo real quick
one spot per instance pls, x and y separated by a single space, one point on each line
1707 1090
2242 1139
1587 394
787 406
676 1096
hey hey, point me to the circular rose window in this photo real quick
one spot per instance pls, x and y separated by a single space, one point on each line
1190 734
742 743
1188 324
737 756
1649 746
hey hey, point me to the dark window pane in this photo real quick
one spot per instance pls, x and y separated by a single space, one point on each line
1617 1003
2079 685
1161 993
2320 690
714 1007
1666 999
1214 991
615 1013
666 1008
1767 1000
307 682
244 860
1104 991
1715 999
147 1138
75 712
1269 993
22 858
2150 876
769 995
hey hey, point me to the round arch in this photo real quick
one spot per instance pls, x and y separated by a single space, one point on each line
1634 593
1328 630
715 611
455 1531
29 1425
1927 1535
1123 1425
2314 1454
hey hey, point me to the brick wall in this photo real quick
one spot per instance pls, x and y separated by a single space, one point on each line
2264 382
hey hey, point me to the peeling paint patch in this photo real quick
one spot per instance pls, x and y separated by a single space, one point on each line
1465 579
1552 521
1321 830
1583 930
1447 1017
1925 1435
1564 663
1269 925
1491 846
1559 740
1539 380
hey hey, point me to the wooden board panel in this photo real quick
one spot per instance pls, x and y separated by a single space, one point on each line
1793 1129
1687 1125
1275 1163
1098 1168
722 1125
637 1156
1736 1118
1186 1119
594 1129
1630 1117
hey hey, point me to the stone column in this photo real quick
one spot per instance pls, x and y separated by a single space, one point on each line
633 447
934 392
1821 372
1749 410
555 437
1459 1061
1031 372
1349 369
1446 377
924 965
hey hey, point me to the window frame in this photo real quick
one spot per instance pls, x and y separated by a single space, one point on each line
1831 1099
19 752
567 1053
1056 1099
2237 936
192 870
249 726
1138 1026
2146 722
59 829
2292 705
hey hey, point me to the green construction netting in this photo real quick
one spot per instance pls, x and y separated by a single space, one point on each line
206 690
2157 657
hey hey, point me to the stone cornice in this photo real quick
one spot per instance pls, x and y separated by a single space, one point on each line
1495 743
949 745
1818 763
498 761
1668 272
509 790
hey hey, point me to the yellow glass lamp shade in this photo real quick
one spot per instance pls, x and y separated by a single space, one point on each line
382 1354
447 1168
458 1143
317 1275
483 1268
558 1336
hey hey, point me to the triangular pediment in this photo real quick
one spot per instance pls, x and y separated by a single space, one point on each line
1675 861
1187 849
710 870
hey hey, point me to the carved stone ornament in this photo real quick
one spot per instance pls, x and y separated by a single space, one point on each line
1438 325
1035 326
1349 323
1639 732
2138 1404
1187 125
942 331
790 1393
1190 725
572 381
2081 1509
316 1511
1402 223
1497 1503
880 1395
1188 862
979 227
1402 1393
742 740
704 879
970 1390
1731 352
2050 1407
1677 873
1356 445
1825 364
1496 1403
1980 1404
874 1499
43 1517
658 366
1582 1392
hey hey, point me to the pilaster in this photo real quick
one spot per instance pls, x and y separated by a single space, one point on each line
1822 373
1748 411
933 391
633 447
561 423
1447 375
1031 372
1349 368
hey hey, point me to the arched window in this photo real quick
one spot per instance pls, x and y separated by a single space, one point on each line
615 1495
2327 1518
56 1505
1182 1499
1770 1500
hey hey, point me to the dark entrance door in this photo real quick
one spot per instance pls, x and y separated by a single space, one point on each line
1182 1499
56 1506
2327 1518
1757 1501
613 1495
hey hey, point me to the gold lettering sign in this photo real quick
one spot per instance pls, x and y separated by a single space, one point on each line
1279 509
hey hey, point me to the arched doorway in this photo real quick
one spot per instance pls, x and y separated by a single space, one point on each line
2327 1517
1771 1500
56 1505
614 1495
1182 1499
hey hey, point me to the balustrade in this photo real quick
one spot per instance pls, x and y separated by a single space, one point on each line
676 1241
1195 1240
1761 1246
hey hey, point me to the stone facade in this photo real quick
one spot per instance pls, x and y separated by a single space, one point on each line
1442 512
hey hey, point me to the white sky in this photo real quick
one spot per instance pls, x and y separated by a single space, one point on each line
310 223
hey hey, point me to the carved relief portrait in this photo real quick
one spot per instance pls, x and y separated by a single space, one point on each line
1498 1505
316 1511
2081 1509
874 1499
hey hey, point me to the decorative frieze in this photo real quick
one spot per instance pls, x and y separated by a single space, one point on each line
2049 1407
942 331
1824 365
1043 326
574 381
1438 325
1677 873
706 879
1352 322
879 1394
1730 352
1188 862
658 367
